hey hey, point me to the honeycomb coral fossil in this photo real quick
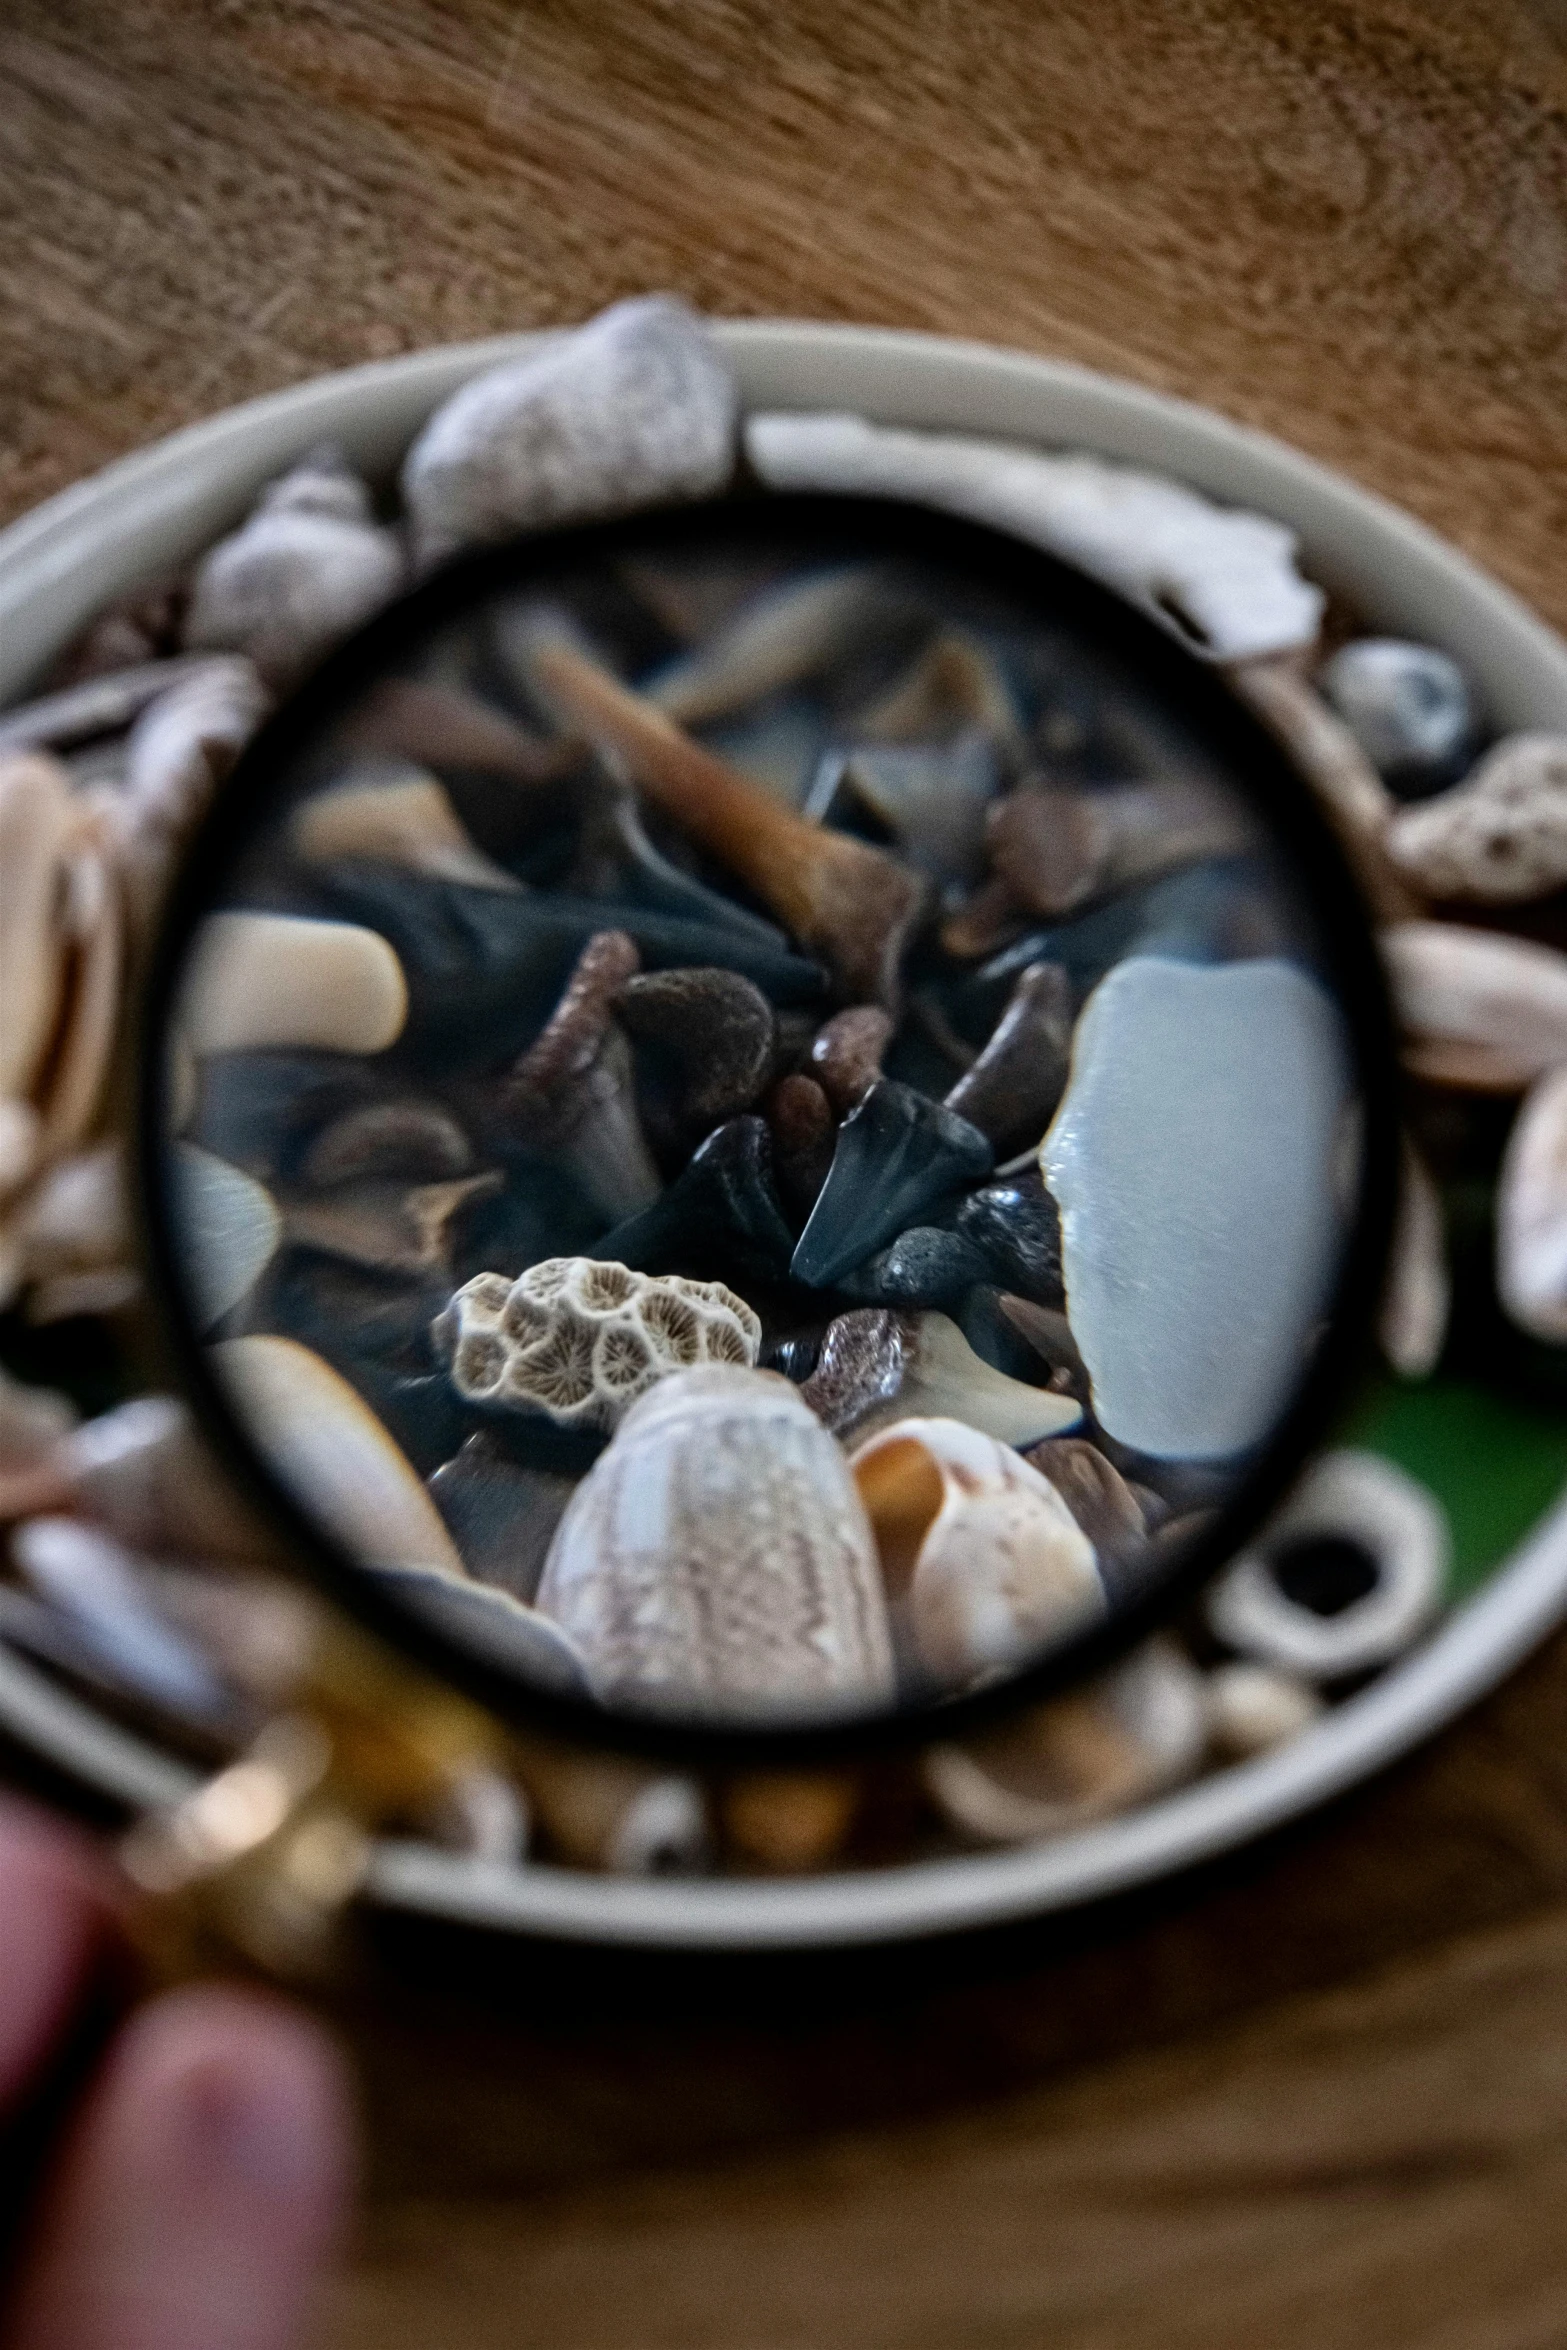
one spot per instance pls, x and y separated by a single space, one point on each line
582 1339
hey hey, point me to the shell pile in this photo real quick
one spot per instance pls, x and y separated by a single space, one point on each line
649 1165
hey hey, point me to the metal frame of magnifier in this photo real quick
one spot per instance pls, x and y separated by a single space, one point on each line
829 528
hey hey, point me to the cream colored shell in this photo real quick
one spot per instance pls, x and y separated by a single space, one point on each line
582 1340
979 1552
718 1557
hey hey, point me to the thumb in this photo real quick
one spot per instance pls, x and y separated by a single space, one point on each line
203 2189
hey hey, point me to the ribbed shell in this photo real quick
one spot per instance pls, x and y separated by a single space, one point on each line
718 1556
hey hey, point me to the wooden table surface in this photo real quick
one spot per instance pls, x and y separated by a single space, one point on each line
1317 2097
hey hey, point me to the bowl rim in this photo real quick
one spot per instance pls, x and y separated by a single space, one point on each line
61 561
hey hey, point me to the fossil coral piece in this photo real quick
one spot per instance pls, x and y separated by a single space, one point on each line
979 1553
582 1339
306 568
637 405
1501 836
1214 575
718 1555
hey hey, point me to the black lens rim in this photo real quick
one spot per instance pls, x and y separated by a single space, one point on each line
881 527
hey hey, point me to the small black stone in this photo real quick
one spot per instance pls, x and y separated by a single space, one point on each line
925 1266
1017 1229
899 1154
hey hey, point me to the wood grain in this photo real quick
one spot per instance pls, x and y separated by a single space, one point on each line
1317 2095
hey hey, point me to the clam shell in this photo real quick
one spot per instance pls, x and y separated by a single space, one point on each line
978 1551
1531 1232
718 1557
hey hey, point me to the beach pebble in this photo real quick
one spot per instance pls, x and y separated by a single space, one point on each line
1253 1708
1531 1225
1409 708
637 406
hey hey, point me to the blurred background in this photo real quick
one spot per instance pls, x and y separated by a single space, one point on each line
1318 2094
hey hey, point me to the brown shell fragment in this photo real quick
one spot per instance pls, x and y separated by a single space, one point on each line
847 1053
390 1227
1012 1090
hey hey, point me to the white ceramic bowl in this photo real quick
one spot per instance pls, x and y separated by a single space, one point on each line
61 563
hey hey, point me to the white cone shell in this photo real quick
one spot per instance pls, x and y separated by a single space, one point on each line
718 1558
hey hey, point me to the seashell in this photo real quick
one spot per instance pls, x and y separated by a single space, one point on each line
925 1266
412 1139
1351 794
582 1340
789 1822
1196 1273
389 1227
229 1229
1098 1496
97 706
898 1154
1254 1708
604 1811
333 1454
1134 1734
572 1095
854 904
494 1625
1010 1092
876 1367
803 1130
1345 1577
954 689
636 407
932 798
846 1054
1218 578
303 572
487 966
260 980
396 816
616 860
178 752
718 1555
1016 1225
70 1096
142 1472
73 1224
1531 1224
1501 836
980 1556
721 1211
1054 850
715 1029
787 636
95 1585
1412 1323
1479 1011
1409 708
501 1513
37 826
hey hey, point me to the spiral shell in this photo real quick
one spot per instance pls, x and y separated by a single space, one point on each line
978 1550
582 1339
719 1556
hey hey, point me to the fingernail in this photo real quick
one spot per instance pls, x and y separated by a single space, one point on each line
228 2115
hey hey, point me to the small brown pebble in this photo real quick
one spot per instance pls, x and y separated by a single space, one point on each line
846 1056
789 1822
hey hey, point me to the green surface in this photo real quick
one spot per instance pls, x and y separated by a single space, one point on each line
1495 1463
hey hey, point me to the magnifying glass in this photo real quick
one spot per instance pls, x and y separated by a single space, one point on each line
765 1127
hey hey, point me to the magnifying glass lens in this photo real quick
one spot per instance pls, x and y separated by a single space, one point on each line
769 1118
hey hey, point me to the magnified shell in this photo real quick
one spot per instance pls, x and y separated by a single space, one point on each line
257 980
582 1339
977 1548
718 1553
1347 1576
876 1366
1192 1160
1531 1235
